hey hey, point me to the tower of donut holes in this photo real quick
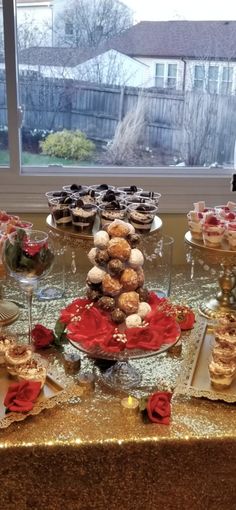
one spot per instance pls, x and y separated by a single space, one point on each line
116 280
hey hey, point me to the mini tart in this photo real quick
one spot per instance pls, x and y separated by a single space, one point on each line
6 341
16 356
33 370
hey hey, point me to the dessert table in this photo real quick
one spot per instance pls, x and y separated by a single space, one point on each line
88 454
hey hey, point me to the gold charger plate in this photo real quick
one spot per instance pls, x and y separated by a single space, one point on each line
197 382
51 394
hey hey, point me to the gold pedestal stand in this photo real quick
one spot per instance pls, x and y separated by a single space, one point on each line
225 260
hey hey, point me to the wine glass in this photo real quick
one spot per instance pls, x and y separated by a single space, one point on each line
28 256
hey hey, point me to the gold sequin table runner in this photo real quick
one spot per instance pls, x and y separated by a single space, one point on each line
87 454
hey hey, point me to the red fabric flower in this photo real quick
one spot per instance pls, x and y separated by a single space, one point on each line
74 309
21 396
32 249
185 317
161 330
158 407
95 329
41 336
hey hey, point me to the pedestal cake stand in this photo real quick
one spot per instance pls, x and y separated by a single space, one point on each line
225 260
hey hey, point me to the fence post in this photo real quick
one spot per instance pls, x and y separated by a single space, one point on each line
121 103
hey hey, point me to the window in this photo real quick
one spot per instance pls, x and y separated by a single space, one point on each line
57 93
226 80
166 75
160 76
213 79
199 77
171 76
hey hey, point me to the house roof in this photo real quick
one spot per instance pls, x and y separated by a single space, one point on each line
163 39
53 56
191 39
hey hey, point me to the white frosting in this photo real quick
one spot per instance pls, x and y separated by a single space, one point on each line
136 258
95 275
92 254
143 309
133 321
101 239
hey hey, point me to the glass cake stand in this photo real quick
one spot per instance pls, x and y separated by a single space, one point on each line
225 261
122 375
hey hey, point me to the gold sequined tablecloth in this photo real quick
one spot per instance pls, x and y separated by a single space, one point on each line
87 454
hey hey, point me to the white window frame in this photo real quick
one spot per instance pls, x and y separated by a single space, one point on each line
166 75
24 191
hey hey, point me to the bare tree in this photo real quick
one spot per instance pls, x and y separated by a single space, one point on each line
89 23
128 134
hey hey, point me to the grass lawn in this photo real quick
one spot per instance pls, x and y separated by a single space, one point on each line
39 159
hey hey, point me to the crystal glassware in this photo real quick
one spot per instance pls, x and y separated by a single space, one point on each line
28 256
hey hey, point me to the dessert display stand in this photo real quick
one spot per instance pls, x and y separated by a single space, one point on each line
121 374
225 261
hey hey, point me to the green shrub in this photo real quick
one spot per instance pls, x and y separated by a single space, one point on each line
68 144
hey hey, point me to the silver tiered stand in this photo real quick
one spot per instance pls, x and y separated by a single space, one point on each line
225 261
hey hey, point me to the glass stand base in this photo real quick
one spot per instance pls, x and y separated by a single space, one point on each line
8 312
121 376
213 309
47 293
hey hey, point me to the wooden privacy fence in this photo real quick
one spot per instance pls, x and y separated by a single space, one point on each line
201 128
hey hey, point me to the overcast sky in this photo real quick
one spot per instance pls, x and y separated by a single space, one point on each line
182 9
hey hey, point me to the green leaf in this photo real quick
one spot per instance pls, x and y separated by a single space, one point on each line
59 328
12 255
143 403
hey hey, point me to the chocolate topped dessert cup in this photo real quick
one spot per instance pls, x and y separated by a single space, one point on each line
83 216
60 209
141 216
112 211
151 195
88 196
111 196
130 190
102 187
74 188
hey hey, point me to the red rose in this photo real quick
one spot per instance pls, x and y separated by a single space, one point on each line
21 396
95 329
158 407
74 309
42 337
161 330
185 317
30 248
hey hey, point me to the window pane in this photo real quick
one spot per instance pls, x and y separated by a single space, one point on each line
227 74
199 73
159 82
160 69
171 83
4 153
172 70
213 73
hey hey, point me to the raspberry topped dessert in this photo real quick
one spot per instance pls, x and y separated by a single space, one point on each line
213 230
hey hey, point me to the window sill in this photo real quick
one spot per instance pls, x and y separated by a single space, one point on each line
180 187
